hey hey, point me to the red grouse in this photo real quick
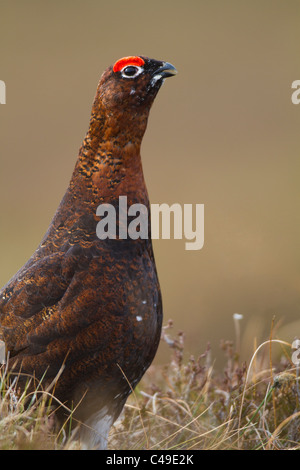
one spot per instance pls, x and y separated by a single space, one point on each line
93 305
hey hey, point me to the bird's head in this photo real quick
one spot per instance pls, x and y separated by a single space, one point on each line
132 83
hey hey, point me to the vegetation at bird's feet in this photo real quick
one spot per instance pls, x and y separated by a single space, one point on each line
27 416
184 405
188 405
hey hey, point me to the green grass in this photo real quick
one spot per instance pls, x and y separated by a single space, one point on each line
186 405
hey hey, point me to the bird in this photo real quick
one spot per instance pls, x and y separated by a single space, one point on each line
84 308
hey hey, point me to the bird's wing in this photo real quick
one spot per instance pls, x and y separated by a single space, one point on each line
32 293
53 309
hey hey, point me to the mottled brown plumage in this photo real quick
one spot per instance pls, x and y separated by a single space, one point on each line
77 299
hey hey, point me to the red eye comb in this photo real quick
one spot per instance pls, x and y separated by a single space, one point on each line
131 60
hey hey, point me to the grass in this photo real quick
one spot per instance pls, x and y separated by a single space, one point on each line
186 405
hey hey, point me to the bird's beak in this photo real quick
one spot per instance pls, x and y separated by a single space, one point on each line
167 70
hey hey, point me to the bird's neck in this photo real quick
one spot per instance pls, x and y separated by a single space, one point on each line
109 161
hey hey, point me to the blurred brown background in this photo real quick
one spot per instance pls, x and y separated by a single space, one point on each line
223 133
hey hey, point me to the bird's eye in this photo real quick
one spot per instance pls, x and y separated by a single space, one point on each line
131 71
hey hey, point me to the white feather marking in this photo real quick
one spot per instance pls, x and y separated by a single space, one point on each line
155 79
94 432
